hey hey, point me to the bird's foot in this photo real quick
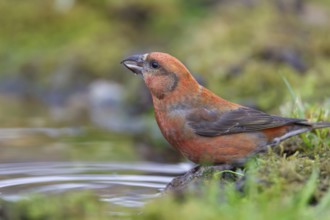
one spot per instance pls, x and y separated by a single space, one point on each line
275 142
199 172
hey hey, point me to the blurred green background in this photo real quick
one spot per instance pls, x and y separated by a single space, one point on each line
60 59
52 49
64 95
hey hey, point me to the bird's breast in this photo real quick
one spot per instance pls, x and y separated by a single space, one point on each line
173 126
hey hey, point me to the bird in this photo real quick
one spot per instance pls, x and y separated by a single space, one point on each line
204 127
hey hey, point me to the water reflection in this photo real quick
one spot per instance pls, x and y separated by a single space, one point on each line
119 184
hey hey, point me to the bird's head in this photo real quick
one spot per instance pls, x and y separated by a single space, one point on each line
162 73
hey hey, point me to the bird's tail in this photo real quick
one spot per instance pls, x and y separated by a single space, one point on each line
317 125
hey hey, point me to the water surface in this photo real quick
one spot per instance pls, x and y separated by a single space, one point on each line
119 184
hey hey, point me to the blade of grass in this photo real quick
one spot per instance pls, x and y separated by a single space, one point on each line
324 204
295 97
308 190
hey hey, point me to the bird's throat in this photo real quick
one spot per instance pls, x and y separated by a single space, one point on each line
161 85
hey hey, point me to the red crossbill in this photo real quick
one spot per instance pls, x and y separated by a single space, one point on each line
204 127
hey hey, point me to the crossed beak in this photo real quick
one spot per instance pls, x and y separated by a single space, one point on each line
135 63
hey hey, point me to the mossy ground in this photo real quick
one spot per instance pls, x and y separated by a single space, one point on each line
82 205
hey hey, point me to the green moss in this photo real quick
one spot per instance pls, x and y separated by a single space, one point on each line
82 205
227 203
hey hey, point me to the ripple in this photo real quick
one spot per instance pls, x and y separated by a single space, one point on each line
122 184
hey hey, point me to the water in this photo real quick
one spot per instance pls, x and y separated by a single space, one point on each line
51 161
127 185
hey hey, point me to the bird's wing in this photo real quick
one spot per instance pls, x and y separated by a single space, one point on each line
212 123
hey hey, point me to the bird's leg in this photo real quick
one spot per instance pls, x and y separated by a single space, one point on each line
180 182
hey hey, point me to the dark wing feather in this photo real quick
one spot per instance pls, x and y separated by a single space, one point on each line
211 123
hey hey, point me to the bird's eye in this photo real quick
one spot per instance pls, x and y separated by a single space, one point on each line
154 64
